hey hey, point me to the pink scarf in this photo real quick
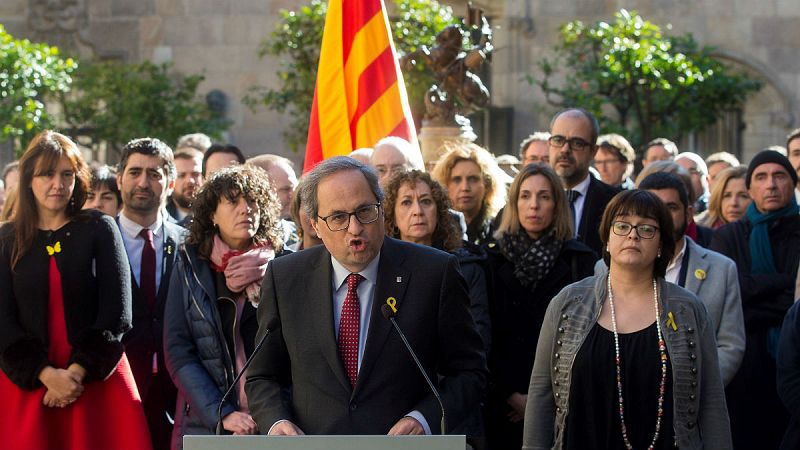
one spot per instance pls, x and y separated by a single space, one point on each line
244 269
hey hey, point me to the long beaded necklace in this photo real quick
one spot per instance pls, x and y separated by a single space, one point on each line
662 348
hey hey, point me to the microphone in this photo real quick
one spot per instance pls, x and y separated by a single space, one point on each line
389 310
270 327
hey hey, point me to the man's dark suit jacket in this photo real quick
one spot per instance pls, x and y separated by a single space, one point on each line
432 303
145 337
597 197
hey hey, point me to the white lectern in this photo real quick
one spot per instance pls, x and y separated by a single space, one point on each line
324 442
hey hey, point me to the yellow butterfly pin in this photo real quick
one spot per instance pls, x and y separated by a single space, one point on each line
56 248
671 321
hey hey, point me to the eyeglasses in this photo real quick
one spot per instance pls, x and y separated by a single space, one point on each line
341 220
643 230
577 144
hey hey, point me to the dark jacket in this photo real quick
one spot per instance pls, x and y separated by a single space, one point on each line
472 261
198 343
95 281
758 418
597 197
517 313
789 375
145 338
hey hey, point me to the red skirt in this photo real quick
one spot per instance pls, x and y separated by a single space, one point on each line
107 415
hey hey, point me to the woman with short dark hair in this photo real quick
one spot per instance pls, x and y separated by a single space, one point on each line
210 315
625 359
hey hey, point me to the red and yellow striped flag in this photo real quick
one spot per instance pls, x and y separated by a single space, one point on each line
360 96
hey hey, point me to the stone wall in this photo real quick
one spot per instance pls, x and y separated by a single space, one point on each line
219 38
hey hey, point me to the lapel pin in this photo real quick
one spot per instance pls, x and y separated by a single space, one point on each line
392 302
700 274
671 321
399 279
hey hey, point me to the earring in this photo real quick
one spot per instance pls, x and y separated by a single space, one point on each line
659 253
72 202
607 249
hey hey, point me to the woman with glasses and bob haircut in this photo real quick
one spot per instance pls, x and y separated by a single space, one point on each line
626 360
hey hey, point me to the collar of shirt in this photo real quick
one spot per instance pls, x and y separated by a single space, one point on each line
583 187
674 267
132 229
340 273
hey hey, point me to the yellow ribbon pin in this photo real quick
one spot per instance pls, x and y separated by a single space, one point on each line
671 321
54 249
392 302
700 274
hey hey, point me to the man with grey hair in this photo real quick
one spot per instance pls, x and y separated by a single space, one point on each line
281 174
392 155
534 149
698 171
326 306
197 141
716 163
659 149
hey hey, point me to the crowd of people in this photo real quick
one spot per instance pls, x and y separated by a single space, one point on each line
557 300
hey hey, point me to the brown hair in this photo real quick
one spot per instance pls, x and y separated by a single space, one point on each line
640 203
562 218
231 183
42 155
447 235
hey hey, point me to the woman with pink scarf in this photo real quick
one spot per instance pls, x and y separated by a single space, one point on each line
210 316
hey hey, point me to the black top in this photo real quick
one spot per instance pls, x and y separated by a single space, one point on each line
96 290
593 420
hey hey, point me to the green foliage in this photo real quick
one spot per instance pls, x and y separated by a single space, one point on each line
297 39
653 85
116 102
29 74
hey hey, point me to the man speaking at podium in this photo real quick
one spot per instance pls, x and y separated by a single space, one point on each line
347 368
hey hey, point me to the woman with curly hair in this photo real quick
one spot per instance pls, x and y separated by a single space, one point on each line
210 315
65 302
416 209
472 179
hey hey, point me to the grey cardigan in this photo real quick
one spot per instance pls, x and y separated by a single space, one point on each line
700 414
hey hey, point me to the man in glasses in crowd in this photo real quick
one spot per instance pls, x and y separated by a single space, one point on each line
573 137
348 369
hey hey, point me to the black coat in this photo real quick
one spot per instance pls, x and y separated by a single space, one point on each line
758 417
95 281
597 197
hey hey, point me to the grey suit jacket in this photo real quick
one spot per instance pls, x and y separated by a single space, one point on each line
301 353
712 277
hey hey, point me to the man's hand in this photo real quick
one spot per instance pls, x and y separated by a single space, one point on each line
517 403
63 386
285 428
406 426
239 423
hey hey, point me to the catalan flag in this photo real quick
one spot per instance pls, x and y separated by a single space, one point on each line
359 97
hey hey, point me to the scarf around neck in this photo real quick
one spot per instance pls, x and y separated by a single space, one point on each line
243 269
761 259
532 258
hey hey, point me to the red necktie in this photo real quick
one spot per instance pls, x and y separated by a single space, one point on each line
349 325
147 269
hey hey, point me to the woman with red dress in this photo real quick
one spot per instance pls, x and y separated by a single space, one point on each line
65 303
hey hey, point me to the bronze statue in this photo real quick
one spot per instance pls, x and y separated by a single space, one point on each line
458 90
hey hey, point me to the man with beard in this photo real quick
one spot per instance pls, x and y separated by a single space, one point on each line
146 174
573 138
189 167
709 275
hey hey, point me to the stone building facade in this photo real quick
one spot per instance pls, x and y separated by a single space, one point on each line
219 38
